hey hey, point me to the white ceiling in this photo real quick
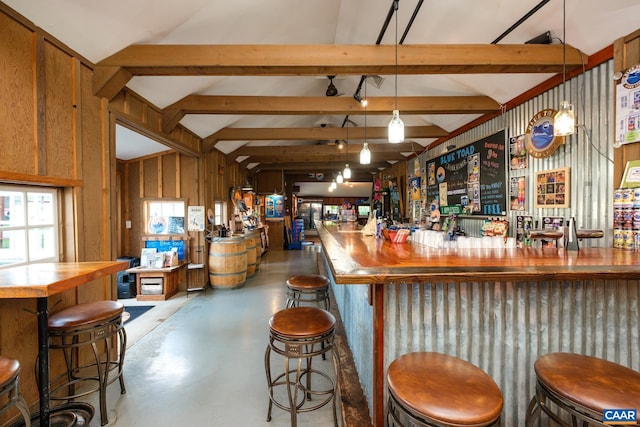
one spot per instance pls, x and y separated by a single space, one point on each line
97 29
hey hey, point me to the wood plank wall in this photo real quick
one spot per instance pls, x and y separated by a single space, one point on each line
55 132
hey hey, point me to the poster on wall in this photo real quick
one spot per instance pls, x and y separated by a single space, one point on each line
517 152
471 178
517 191
195 215
274 207
414 188
628 107
552 188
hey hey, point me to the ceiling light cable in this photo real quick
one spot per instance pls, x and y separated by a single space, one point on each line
564 121
396 126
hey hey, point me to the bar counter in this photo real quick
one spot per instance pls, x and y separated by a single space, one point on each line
497 308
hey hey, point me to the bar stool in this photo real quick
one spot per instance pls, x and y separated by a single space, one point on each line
583 386
9 389
308 288
96 324
434 389
302 333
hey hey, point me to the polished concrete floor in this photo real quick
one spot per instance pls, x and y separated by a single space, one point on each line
198 358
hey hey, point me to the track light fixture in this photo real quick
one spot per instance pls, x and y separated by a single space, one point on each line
396 126
331 89
564 120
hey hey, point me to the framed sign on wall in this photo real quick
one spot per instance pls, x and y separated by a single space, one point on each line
553 188
540 141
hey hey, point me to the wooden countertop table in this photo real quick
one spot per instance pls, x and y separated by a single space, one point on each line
357 259
41 281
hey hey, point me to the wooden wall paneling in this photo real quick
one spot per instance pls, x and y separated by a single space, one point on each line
134 194
58 151
17 340
149 178
169 175
17 110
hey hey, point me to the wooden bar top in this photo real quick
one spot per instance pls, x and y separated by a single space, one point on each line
358 259
46 279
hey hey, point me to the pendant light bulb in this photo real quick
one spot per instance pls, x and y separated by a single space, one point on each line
396 129
339 178
365 155
346 173
564 120
396 126
333 185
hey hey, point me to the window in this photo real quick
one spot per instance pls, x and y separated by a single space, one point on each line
363 211
164 216
220 213
28 225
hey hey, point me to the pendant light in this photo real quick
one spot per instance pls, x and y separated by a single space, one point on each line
396 126
365 153
564 120
339 178
347 170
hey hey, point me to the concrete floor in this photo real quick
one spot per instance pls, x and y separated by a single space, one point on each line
198 358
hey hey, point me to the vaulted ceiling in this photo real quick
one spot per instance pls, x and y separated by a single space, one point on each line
251 79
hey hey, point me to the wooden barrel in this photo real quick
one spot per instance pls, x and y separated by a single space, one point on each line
251 241
228 262
258 240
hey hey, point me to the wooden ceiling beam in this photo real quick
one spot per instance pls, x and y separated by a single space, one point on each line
312 157
323 150
296 60
320 167
321 133
320 105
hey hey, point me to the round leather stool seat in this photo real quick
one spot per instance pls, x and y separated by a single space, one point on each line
84 315
9 388
308 288
96 325
434 389
302 333
584 386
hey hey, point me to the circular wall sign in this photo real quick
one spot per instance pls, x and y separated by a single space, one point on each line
539 138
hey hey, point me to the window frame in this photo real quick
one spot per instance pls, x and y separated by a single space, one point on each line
54 224
146 216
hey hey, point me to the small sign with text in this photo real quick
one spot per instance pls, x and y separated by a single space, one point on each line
619 416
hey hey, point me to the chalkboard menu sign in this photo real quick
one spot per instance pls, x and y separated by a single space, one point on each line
471 178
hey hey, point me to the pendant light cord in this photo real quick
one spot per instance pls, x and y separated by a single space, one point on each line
564 49
395 6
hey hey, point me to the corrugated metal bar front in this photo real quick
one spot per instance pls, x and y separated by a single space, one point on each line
357 318
503 327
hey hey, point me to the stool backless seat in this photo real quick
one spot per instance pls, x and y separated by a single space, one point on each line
435 389
302 333
97 325
9 389
582 386
308 288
